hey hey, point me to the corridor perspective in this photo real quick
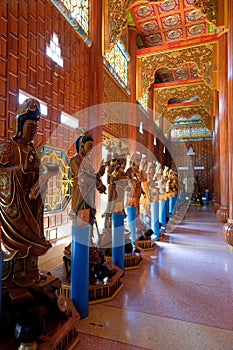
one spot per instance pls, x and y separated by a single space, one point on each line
180 298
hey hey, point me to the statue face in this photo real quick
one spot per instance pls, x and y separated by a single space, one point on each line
87 147
29 130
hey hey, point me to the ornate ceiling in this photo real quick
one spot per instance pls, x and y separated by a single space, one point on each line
165 22
177 53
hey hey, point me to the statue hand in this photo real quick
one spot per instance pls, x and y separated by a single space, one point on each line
29 161
101 188
101 170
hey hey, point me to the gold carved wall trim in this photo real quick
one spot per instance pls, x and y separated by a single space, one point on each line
187 112
209 8
203 56
184 92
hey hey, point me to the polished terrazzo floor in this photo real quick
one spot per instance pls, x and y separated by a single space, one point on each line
180 298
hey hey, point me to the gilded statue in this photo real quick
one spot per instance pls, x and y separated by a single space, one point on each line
135 190
117 181
153 189
144 200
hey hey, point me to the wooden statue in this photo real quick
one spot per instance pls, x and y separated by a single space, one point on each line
160 179
31 303
153 189
22 183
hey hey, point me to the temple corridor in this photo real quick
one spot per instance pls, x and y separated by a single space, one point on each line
179 298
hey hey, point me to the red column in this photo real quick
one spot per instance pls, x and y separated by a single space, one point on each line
96 77
222 212
132 131
228 227
216 164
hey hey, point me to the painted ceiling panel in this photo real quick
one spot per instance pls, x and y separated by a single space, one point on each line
171 20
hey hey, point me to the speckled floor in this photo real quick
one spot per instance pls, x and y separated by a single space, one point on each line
180 298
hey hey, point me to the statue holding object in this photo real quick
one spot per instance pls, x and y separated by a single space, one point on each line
85 179
31 302
117 180
23 184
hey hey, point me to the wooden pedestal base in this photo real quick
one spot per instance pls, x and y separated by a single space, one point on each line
101 292
132 261
21 304
61 335
147 244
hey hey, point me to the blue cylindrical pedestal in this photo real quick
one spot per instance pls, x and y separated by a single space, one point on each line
171 205
131 220
206 197
172 202
155 219
80 269
118 240
162 212
167 208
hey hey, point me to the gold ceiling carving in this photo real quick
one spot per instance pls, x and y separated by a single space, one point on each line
201 55
117 19
117 13
209 8
184 92
187 112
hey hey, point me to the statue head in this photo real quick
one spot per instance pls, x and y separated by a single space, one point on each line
83 139
135 159
28 110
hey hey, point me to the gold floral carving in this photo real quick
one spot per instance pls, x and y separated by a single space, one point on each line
209 8
184 92
118 18
188 112
201 55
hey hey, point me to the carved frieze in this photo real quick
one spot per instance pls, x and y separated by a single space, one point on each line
188 112
201 55
209 8
184 92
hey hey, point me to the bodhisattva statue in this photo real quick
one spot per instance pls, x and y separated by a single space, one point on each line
21 200
144 200
85 179
134 190
117 181
153 189
85 182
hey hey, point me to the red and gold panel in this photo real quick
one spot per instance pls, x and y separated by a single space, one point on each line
170 20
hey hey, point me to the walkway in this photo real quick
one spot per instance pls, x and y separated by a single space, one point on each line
180 298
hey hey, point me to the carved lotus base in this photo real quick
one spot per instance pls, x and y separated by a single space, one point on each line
222 214
227 232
